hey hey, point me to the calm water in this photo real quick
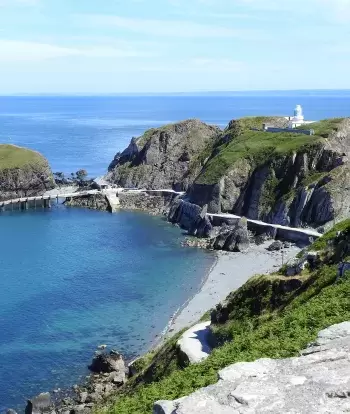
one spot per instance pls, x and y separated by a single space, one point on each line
72 279
86 132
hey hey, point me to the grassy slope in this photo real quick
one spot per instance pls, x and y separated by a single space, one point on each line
267 332
259 146
12 157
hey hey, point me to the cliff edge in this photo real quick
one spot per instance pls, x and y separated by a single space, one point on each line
167 157
23 173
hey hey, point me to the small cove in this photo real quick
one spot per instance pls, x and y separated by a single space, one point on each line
72 279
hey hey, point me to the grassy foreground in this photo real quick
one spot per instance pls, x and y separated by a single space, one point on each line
258 326
12 157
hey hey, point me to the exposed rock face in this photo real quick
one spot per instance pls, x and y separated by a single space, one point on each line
316 382
155 203
310 185
166 157
92 201
191 217
23 173
232 238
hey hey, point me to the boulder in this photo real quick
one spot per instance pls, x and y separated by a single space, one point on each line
275 246
106 363
232 238
40 404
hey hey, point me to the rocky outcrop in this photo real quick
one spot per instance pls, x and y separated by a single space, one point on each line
194 344
109 374
40 404
232 238
91 201
107 363
164 158
317 381
190 217
285 179
23 173
290 188
155 203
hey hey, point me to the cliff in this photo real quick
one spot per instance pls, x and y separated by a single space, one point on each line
23 172
166 157
282 178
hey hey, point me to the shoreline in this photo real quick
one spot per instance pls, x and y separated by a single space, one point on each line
228 273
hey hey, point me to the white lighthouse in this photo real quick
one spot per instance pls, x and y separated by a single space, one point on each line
298 114
298 118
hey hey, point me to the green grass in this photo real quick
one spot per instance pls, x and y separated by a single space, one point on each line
12 156
325 127
323 241
259 146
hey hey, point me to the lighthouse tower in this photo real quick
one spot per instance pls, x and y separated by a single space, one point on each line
298 114
298 118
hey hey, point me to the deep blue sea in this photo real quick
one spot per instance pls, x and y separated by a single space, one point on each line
72 279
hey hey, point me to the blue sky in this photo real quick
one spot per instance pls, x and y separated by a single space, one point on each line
115 46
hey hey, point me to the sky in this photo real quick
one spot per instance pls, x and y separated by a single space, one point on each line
131 46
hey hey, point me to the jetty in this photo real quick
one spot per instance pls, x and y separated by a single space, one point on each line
23 203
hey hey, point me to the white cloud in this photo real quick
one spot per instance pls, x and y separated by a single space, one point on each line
170 28
16 51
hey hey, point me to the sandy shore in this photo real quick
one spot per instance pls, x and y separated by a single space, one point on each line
230 271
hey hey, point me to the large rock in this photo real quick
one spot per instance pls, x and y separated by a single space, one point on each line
316 382
108 363
23 173
166 157
233 238
40 404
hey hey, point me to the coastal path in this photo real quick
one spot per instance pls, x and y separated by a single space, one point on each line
22 203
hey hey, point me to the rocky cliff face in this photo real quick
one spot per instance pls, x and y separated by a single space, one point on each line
283 178
166 157
23 173
300 181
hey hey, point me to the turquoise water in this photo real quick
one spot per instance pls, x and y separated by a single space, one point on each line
72 279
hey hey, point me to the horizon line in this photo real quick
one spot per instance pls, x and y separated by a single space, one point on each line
210 92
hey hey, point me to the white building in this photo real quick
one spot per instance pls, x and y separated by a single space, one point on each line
298 118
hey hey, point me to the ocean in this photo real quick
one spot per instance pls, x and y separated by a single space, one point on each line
72 279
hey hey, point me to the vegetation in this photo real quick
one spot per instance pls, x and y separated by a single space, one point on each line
322 242
78 178
265 320
259 146
12 157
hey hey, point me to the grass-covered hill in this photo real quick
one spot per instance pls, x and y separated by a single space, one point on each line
270 316
23 172
284 178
